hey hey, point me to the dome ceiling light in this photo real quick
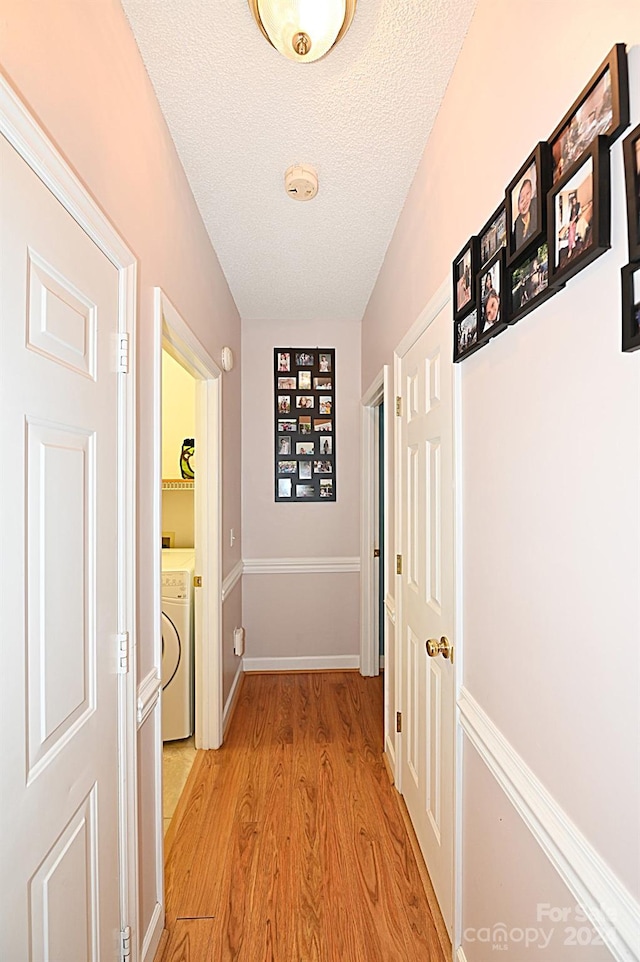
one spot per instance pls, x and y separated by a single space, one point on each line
303 30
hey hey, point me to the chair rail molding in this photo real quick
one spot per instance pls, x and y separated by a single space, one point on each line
285 566
612 910
232 580
148 694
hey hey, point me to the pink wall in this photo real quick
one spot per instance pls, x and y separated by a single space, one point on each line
322 530
77 67
550 448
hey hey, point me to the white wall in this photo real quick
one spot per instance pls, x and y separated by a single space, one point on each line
294 615
551 471
178 414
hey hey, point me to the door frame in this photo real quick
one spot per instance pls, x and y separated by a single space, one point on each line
27 137
439 301
174 336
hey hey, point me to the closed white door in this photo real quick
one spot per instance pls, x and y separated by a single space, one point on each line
59 871
427 592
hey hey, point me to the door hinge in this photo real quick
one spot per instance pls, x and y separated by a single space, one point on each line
197 581
398 407
123 652
123 354
125 944
398 564
399 721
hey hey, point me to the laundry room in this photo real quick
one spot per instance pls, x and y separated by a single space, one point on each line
178 560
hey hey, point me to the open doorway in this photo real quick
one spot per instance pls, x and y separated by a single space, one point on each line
375 638
188 540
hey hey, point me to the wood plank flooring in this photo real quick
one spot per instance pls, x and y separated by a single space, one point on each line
292 846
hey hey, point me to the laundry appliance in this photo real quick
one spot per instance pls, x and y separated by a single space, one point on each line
178 565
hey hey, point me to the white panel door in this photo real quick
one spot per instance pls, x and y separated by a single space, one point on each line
59 872
427 585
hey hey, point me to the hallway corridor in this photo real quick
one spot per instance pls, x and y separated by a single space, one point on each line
292 845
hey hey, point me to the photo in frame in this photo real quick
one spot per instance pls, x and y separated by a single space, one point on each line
493 236
630 276
579 212
631 149
304 446
465 336
528 283
489 296
525 203
601 109
464 272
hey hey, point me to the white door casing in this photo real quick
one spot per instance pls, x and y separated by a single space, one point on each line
425 454
61 579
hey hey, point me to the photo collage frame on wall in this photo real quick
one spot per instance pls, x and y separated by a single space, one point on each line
304 424
555 219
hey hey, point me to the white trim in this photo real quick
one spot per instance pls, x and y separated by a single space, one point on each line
316 663
390 608
369 566
460 956
182 344
390 750
287 566
439 300
148 695
233 694
30 141
231 580
611 908
153 934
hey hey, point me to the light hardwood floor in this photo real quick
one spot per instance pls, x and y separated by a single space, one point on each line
290 844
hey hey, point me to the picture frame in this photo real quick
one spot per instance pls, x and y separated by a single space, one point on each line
464 270
579 212
630 277
489 298
525 203
631 151
601 109
465 336
493 235
528 283
304 413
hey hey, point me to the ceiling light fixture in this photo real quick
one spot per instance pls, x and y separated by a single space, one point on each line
303 30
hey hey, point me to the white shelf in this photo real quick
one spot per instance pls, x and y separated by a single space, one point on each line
177 484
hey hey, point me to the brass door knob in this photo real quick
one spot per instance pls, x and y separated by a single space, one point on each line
442 647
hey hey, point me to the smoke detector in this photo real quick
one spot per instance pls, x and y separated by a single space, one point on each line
301 182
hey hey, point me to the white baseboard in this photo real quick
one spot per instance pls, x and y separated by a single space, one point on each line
460 956
390 751
312 663
612 910
231 698
153 935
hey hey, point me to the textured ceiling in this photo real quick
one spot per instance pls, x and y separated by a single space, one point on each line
240 114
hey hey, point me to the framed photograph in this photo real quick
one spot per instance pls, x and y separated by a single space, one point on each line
464 271
525 203
631 147
631 307
528 284
465 336
489 294
602 109
493 236
303 445
579 210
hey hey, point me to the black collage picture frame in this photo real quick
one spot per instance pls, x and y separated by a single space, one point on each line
555 218
304 424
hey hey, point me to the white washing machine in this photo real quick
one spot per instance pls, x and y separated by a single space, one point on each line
178 566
